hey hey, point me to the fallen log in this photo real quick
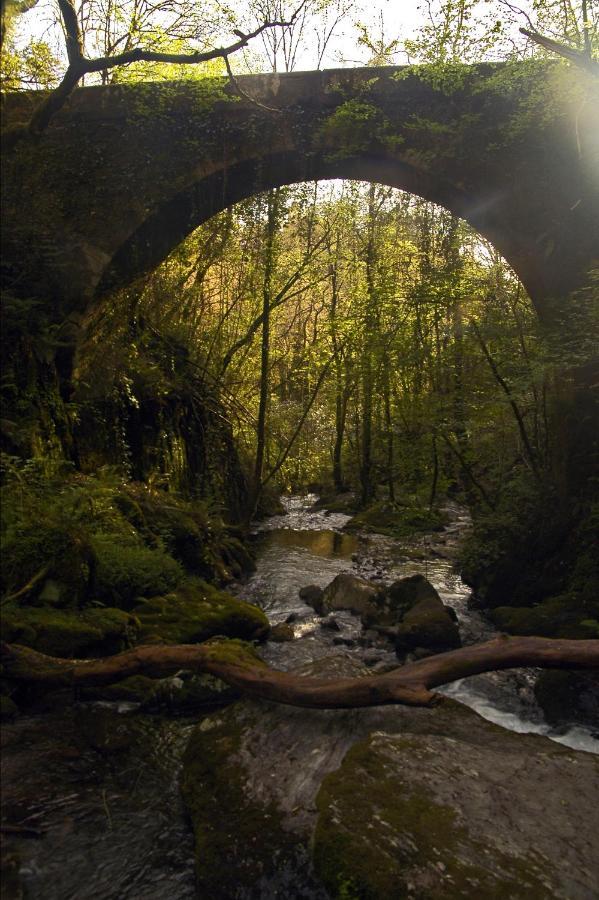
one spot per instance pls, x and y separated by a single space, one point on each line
239 665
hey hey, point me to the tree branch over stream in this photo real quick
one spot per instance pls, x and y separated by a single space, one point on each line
237 664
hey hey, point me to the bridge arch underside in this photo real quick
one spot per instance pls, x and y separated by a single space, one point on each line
176 218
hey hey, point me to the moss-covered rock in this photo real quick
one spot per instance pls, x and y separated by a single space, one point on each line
338 503
564 617
429 803
128 570
437 818
241 845
281 633
396 520
424 621
196 612
73 633
180 694
567 697
63 556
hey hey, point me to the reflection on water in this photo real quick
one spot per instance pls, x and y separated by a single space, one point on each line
327 544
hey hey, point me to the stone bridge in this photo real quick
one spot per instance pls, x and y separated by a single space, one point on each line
125 172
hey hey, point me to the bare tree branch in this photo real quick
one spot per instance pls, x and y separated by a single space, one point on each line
581 59
239 666
80 65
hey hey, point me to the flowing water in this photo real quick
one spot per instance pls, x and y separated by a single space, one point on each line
98 783
308 546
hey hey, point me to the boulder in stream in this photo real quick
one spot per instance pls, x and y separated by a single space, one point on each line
281 633
311 594
347 591
424 621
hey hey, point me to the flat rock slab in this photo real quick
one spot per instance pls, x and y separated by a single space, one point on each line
387 803
444 818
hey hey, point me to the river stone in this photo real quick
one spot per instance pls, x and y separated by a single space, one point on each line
569 696
311 594
347 591
281 633
428 625
428 803
417 617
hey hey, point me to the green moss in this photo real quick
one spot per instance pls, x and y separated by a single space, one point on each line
356 126
402 843
238 840
565 616
199 540
128 570
184 694
396 520
64 554
196 612
89 632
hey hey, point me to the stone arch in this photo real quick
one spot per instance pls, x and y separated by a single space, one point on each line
127 171
175 219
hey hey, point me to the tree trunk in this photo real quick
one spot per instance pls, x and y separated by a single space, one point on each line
367 367
271 226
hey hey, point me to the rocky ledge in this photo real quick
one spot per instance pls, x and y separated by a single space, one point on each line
387 803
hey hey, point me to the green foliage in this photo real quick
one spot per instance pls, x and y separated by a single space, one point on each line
36 66
96 539
448 77
355 126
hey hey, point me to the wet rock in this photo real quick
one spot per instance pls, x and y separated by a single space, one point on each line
281 633
183 693
567 697
370 660
451 612
311 594
369 637
189 692
438 818
429 626
330 623
449 804
292 617
105 730
343 642
349 592
418 616
8 708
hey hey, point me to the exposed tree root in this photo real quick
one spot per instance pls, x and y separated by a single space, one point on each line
237 664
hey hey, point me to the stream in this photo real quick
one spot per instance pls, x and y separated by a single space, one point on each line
308 546
98 783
